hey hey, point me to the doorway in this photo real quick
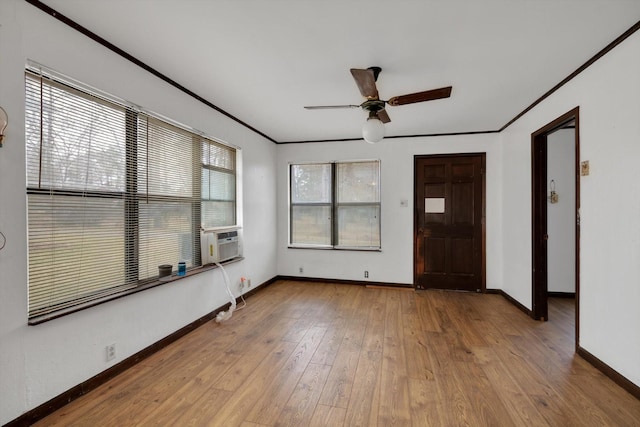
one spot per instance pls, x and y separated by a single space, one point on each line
449 249
546 231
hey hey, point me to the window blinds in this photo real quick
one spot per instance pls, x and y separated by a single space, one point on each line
113 193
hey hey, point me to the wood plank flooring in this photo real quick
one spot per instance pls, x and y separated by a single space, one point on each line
316 354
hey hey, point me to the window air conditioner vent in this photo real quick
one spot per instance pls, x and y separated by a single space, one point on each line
220 245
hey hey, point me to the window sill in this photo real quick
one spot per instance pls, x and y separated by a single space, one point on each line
133 290
335 248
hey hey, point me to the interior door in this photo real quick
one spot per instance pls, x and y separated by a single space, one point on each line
449 236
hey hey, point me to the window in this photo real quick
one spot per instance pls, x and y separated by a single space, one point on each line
218 186
112 193
335 205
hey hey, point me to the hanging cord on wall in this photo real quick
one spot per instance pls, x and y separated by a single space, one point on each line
226 315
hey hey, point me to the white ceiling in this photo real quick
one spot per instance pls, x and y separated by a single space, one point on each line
263 60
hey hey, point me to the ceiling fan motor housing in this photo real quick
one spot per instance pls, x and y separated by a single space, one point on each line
373 105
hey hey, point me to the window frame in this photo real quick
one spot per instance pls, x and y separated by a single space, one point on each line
130 196
334 206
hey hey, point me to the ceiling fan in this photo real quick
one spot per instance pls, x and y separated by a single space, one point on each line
373 129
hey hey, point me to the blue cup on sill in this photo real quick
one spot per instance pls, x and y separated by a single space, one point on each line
182 268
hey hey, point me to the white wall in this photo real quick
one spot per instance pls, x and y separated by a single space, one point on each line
394 264
561 225
608 94
39 362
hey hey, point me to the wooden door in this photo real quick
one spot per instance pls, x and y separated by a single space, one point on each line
449 237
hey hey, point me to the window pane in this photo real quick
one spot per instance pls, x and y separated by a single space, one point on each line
311 225
75 248
218 214
217 185
358 182
311 183
165 236
359 226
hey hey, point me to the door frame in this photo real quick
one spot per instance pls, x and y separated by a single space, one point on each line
483 162
539 309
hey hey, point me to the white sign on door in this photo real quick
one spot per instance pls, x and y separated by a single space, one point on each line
434 205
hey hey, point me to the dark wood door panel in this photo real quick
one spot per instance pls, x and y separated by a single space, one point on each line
462 205
434 250
434 171
464 169
462 256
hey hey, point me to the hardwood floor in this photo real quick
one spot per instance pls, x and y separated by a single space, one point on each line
315 354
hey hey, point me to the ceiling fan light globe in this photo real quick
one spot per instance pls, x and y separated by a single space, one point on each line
373 130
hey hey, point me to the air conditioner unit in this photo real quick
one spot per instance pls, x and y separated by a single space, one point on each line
220 244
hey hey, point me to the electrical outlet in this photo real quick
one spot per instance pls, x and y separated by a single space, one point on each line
111 352
248 283
366 274
301 270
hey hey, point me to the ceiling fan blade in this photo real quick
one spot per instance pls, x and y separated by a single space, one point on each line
383 116
366 81
428 95
329 107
